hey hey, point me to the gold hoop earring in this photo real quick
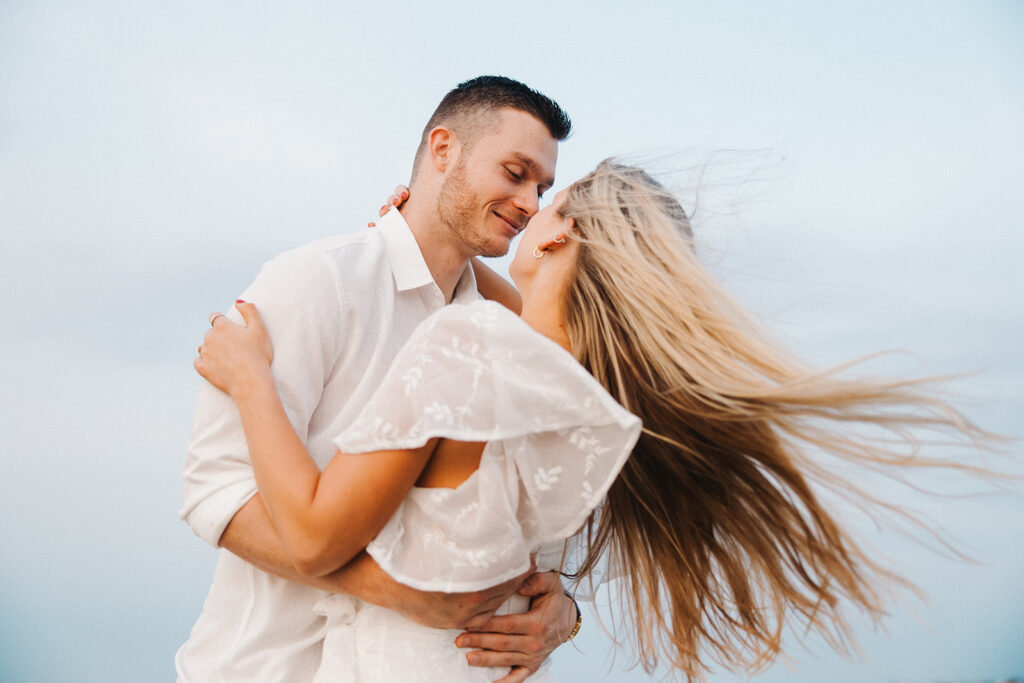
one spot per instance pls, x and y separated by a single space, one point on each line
542 248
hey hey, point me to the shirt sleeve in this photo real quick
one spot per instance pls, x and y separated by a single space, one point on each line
299 298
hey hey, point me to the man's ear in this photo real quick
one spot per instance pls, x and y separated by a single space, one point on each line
443 147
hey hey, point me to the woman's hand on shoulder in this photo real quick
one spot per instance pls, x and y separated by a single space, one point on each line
232 357
395 201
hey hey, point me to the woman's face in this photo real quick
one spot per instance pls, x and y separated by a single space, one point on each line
543 227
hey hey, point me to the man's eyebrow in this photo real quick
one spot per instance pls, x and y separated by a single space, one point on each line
534 167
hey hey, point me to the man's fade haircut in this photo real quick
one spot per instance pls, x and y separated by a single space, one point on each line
461 108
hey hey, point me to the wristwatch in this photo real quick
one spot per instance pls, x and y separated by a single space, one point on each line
579 618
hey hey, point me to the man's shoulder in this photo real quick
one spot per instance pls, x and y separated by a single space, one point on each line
324 265
357 244
341 254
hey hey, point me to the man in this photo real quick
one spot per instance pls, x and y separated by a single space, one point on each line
338 310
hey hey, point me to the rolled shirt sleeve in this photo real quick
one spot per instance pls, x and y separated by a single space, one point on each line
299 297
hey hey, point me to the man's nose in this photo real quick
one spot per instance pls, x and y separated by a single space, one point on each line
527 201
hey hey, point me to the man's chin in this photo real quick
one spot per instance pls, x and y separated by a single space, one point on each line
494 249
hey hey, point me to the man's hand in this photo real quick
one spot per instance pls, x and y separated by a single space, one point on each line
524 641
252 536
453 610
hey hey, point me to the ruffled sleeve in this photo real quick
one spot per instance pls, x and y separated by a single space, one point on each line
556 440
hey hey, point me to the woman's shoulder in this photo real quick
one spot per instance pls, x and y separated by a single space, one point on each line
484 330
477 314
493 326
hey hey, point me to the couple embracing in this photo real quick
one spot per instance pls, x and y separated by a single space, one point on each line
403 457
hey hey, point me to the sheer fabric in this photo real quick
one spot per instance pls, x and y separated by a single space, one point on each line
556 440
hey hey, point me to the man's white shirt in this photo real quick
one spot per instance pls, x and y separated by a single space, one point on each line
338 310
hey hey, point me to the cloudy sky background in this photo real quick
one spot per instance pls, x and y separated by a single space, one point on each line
863 191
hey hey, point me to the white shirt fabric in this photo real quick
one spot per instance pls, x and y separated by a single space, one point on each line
338 311
555 442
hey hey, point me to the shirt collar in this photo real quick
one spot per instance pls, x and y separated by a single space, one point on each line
465 288
406 259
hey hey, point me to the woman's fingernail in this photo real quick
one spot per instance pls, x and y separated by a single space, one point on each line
371 224
396 201
405 194
239 301
473 659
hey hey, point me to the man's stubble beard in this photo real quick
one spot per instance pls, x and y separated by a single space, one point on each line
456 206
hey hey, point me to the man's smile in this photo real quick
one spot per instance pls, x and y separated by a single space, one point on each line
514 226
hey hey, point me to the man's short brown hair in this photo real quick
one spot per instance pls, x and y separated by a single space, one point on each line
460 109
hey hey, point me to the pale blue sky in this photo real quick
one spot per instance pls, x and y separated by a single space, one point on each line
152 156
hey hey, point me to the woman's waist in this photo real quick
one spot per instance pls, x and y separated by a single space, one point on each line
368 614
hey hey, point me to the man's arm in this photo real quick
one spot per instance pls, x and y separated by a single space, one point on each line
252 536
299 298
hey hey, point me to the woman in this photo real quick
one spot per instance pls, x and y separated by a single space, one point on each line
708 514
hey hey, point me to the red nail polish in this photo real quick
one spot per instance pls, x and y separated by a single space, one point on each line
371 224
239 301
405 195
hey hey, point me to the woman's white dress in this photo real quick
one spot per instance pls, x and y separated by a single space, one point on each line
556 440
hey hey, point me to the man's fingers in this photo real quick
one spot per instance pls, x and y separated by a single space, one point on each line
482 618
517 675
497 642
476 622
540 583
488 658
503 591
491 599
507 623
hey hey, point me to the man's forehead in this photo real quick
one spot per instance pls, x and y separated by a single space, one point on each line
517 136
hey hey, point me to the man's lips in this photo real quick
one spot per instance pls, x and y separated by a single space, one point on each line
515 227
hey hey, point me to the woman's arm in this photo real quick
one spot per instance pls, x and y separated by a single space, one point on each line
496 288
324 518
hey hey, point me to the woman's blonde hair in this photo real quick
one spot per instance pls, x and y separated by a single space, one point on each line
713 523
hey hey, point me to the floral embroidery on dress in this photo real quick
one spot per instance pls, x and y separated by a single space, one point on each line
544 479
555 442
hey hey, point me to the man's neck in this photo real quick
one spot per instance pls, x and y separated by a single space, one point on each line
442 253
